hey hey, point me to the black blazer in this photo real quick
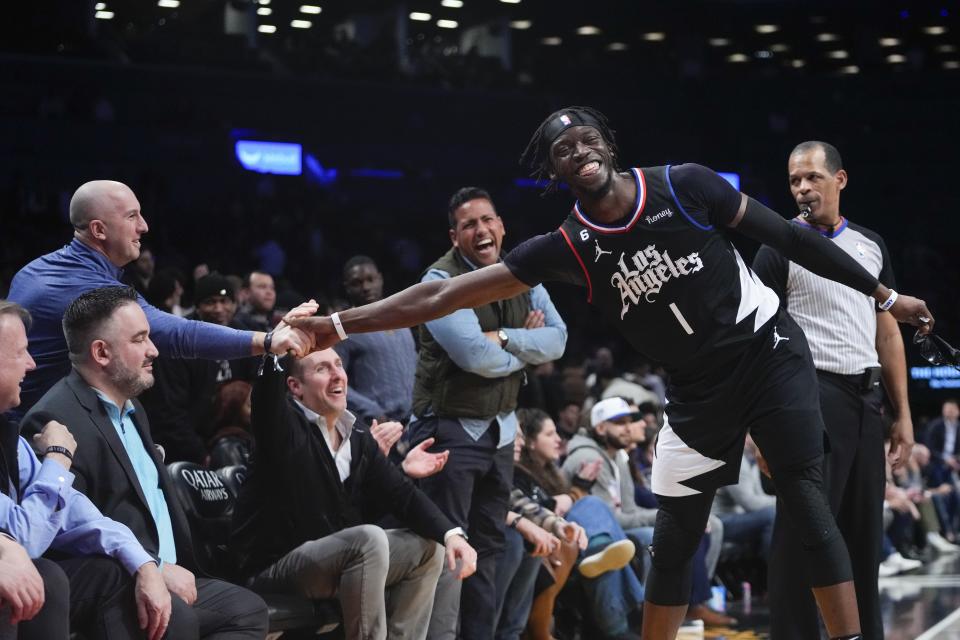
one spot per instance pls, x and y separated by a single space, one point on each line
102 467
937 438
294 494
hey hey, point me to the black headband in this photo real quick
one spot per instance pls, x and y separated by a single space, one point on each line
564 121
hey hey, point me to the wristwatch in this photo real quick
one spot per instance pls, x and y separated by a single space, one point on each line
503 337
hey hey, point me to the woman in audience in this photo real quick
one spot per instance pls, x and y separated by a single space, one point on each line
539 461
549 538
611 585
232 441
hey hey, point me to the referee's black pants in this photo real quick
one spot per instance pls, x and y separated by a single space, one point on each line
854 477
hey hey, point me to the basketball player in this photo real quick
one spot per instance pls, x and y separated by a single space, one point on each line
650 247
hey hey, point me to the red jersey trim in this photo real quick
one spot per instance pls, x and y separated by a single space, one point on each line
637 213
582 266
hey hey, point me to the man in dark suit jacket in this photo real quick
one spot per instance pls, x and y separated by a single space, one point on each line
118 466
103 576
306 514
942 436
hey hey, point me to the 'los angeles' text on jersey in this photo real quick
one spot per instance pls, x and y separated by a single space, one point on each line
651 269
674 285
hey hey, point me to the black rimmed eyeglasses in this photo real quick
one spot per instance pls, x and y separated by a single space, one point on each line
936 350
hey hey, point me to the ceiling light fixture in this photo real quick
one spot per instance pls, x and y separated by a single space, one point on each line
719 42
311 9
839 54
551 41
617 46
766 28
264 11
100 6
850 69
896 58
889 42
827 37
267 28
419 16
779 47
452 4
654 36
737 57
935 30
301 24
103 15
588 30
168 4
520 24
447 24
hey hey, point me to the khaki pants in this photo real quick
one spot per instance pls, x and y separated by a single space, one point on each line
384 580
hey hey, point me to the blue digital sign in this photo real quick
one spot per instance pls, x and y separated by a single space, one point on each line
937 377
281 158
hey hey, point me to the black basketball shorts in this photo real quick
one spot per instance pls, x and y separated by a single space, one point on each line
770 390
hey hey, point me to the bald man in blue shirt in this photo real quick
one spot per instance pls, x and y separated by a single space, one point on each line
107 227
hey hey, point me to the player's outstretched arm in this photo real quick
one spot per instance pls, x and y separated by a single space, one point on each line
418 304
814 252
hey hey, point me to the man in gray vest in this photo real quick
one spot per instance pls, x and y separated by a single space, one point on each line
470 370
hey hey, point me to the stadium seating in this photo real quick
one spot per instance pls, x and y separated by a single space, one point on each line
208 498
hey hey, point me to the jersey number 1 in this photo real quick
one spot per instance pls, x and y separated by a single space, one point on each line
683 321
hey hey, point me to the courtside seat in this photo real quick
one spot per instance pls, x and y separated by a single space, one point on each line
208 502
233 476
229 451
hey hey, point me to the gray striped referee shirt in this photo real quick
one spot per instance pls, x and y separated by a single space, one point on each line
839 322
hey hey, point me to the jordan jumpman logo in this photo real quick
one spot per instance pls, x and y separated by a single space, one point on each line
777 338
600 251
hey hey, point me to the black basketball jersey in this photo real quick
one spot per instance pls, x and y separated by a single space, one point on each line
674 286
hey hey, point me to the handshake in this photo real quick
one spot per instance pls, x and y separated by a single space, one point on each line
300 332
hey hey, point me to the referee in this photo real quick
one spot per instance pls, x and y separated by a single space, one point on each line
854 344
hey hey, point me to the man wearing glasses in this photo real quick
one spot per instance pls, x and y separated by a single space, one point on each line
855 344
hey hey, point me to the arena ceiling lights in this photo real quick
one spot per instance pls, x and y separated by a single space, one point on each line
703 36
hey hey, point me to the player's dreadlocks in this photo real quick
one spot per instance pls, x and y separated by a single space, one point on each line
537 154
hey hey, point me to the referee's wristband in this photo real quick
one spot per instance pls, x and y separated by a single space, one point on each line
58 449
889 302
338 325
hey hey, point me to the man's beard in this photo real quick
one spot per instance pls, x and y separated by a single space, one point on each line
614 443
128 381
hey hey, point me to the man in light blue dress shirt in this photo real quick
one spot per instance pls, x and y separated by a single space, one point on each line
118 465
469 373
41 511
